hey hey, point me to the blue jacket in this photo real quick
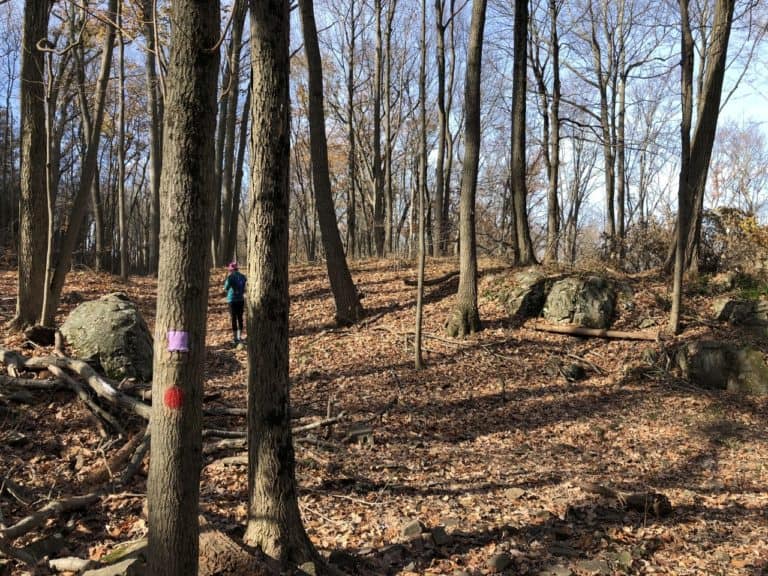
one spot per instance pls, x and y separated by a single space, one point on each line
234 286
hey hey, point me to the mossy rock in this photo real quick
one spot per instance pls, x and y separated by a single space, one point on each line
589 302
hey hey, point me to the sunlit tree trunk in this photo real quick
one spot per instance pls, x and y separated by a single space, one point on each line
274 520
418 361
518 170
348 308
186 189
33 215
465 317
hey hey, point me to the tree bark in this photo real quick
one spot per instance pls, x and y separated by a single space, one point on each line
348 308
89 170
274 520
154 103
518 169
186 189
122 208
33 215
465 318
418 360
378 184
229 210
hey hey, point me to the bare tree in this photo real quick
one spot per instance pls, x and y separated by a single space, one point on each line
465 318
33 215
348 308
696 152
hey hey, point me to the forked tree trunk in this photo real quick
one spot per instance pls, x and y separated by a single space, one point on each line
182 293
465 318
348 308
89 171
33 215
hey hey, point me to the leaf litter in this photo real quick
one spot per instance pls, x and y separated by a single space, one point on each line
474 465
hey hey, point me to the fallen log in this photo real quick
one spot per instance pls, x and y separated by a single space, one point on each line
432 281
98 411
597 332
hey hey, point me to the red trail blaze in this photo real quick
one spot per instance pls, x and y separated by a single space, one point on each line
174 397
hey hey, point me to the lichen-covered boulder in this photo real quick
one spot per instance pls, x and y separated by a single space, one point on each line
589 302
753 313
521 294
112 332
723 366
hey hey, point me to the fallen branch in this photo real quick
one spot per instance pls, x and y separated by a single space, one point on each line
107 470
596 332
432 281
643 502
53 508
30 383
98 411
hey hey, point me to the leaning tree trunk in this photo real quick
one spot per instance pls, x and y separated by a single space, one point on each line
186 189
465 318
33 215
274 520
348 308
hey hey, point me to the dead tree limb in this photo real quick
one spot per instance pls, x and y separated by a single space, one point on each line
432 281
596 332
53 508
98 411
107 470
643 502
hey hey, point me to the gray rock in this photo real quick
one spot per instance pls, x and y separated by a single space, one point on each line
112 332
440 537
722 366
523 294
556 571
119 569
752 313
343 560
499 562
599 567
412 529
589 302
308 568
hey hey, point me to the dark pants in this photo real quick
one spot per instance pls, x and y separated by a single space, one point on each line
236 315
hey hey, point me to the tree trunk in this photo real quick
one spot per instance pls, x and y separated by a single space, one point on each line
240 163
348 308
465 318
182 294
154 103
274 520
33 215
418 361
389 199
438 245
230 211
89 170
122 215
378 185
519 184
351 158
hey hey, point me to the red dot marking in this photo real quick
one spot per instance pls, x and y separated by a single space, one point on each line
174 397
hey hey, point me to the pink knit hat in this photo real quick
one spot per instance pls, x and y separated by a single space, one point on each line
232 266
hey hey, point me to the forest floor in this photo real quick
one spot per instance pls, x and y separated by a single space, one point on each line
486 447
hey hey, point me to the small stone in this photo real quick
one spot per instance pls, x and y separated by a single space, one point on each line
624 559
515 493
563 550
440 536
412 529
556 571
460 573
308 568
499 562
410 567
595 567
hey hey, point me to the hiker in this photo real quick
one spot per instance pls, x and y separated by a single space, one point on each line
234 286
